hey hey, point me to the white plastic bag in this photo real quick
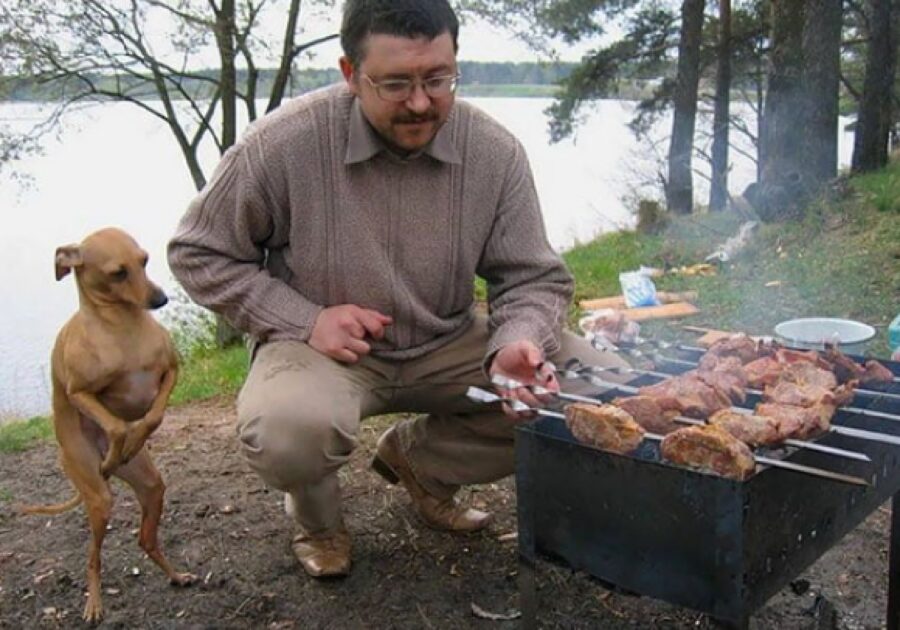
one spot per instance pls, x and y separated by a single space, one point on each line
638 289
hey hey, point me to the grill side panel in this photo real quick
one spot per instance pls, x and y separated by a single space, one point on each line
647 527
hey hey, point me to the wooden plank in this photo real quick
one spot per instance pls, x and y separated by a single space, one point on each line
663 311
618 301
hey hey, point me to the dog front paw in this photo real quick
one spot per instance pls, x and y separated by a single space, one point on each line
93 610
183 579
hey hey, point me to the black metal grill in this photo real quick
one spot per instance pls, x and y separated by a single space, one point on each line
708 543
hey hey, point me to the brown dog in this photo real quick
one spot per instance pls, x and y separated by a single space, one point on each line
113 368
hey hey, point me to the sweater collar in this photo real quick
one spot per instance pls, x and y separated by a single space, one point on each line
364 143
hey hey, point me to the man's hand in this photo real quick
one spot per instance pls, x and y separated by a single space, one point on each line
523 362
339 331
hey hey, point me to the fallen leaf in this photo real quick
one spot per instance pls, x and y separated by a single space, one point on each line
481 613
773 283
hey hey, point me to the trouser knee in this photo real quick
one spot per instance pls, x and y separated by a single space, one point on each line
288 448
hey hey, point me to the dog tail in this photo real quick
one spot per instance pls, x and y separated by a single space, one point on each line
50 510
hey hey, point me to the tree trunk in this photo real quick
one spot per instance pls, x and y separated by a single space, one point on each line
680 187
226 334
782 172
822 66
873 124
227 74
718 192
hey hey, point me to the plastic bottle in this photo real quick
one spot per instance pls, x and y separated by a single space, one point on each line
894 334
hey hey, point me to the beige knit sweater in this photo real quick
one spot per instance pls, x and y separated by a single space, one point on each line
309 210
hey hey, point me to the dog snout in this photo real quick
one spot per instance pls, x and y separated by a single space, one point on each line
158 299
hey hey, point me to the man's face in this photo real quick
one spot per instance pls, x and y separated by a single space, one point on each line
410 124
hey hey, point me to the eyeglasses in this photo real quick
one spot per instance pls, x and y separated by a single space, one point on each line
399 90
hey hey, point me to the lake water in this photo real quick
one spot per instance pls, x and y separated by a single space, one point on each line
115 165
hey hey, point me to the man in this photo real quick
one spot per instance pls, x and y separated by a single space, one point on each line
343 233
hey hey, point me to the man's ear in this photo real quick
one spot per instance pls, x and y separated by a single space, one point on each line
67 258
349 73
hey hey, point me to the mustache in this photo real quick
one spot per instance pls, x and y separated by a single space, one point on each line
407 119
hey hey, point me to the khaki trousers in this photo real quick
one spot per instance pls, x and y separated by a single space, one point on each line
299 412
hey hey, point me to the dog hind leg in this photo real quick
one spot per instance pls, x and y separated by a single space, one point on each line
148 486
82 465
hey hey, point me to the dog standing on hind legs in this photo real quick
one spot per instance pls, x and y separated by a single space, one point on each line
113 369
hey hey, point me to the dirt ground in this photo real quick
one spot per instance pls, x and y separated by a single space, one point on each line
222 524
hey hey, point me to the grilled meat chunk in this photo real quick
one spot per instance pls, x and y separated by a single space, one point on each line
729 383
647 412
847 370
875 372
806 373
687 394
606 427
739 345
762 372
788 393
752 430
798 422
709 448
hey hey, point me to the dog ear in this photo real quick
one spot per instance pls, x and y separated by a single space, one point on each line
67 257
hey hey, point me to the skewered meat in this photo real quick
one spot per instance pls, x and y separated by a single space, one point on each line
709 448
739 345
786 355
688 395
646 412
605 427
805 373
846 369
725 381
770 370
802 395
763 371
752 430
798 422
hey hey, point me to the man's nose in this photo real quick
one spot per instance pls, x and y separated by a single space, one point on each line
418 100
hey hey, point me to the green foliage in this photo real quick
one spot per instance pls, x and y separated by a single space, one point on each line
840 260
21 435
208 372
205 369
882 189
597 265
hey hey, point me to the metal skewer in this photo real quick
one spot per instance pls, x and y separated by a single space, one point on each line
480 395
842 430
502 381
867 393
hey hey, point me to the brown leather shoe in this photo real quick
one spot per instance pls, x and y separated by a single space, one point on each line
325 554
444 514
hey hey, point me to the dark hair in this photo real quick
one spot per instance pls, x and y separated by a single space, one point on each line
404 18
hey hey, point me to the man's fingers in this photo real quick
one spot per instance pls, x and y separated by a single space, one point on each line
357 346
345 356
374 322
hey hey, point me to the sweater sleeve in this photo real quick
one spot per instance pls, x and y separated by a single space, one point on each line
529 287
219 249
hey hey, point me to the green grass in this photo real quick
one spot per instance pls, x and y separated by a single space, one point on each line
206 373
22 435
881 190
841 260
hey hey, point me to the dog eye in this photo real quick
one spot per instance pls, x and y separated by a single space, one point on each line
144 261
119 275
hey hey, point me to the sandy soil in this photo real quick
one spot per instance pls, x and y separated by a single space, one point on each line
224 525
